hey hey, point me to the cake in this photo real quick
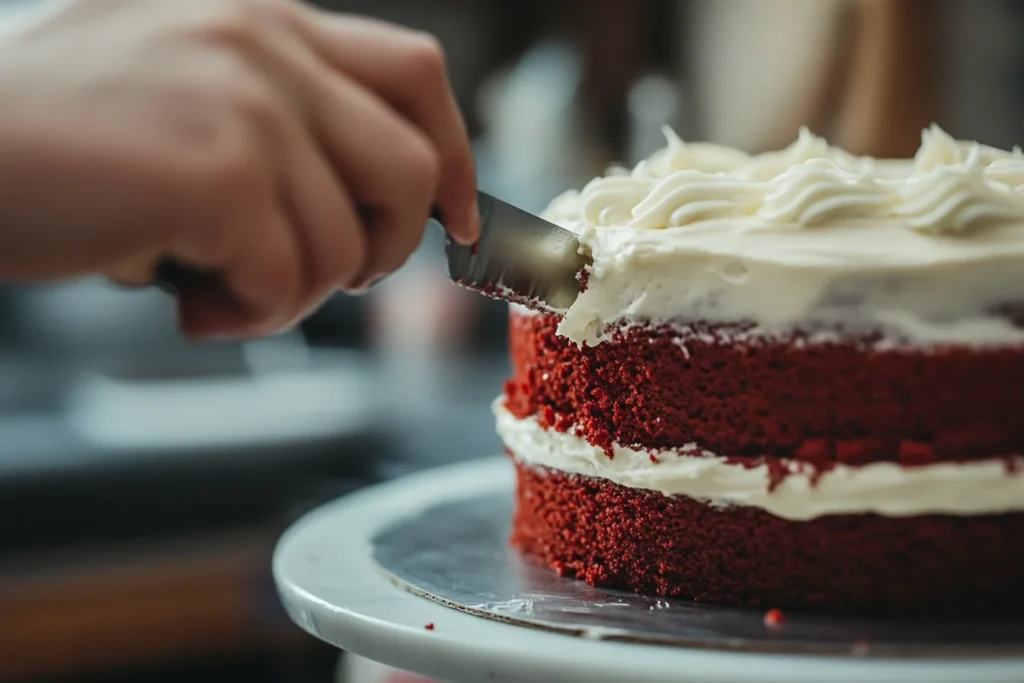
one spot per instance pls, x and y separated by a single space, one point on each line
792 380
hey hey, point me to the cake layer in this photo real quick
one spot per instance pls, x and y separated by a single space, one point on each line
620 537
927 251
732 391
789 489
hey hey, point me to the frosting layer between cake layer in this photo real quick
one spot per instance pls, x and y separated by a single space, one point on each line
889 489
930 251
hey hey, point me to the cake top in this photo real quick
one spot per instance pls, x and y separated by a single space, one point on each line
928 250
949 188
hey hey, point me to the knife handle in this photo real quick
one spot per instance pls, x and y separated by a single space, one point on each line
175 277
438 217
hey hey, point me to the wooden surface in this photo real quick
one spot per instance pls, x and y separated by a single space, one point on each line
90 612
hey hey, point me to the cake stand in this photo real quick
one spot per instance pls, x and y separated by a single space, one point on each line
384 574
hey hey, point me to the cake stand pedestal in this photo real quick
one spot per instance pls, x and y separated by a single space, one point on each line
382 574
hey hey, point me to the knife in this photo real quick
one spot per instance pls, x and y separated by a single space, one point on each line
520 258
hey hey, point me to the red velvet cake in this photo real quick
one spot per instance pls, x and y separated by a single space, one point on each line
792 380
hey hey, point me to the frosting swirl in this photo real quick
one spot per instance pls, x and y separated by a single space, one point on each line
957 199
819 190
689 196
939 148
949 188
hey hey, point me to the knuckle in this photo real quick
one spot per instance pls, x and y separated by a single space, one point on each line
426 62
255 101
229 174
238 24
281 9
228 23
231 165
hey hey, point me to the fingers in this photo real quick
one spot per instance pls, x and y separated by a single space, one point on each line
381 163
333 240
407 70
242 229
350 150
288 259
330 231
257 287
294 236
289 252
389 167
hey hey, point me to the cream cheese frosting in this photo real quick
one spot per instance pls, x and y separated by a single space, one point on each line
974 488
926 250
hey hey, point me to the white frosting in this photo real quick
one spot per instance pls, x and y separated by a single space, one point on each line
975 488
808 236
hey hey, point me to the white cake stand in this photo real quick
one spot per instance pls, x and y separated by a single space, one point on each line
331 588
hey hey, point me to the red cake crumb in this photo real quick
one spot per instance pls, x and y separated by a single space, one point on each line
774 618
546 417
654 459
501 293
777 471
620 537
602 438
850 402
430 626
563 423
583 277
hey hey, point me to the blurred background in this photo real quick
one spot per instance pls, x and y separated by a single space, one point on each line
144 481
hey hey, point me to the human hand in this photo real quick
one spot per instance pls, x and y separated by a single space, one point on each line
287 150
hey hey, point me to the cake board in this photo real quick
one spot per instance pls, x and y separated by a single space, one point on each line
372 573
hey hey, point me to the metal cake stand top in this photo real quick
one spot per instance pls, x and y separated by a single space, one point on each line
369 573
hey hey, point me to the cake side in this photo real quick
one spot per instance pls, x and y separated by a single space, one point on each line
612 535
839 400
625 477
792 380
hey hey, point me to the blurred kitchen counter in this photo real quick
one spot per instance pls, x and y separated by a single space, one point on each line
116 553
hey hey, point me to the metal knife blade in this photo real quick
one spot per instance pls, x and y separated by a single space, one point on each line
520 258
